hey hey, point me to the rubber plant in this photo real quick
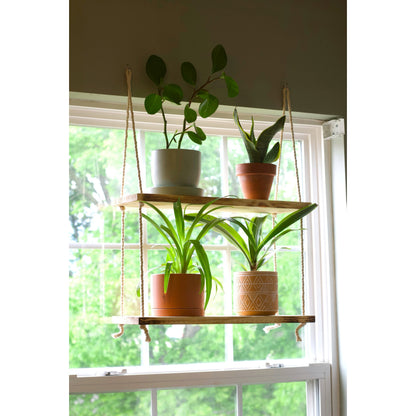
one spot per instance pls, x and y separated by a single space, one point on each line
156 70
184 242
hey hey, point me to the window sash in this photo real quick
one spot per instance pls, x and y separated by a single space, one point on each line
111 114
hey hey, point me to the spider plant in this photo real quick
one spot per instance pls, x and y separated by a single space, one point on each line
184 241
256 246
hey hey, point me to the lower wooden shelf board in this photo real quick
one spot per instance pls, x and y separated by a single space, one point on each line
198 320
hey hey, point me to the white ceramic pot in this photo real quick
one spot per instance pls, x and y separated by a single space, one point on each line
176 171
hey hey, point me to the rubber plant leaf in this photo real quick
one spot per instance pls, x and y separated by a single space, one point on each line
232 87
173 93
208 106
190 114
153 103
194 137
188 72
219 58
156 69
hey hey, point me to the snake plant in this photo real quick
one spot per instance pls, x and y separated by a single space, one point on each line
257 149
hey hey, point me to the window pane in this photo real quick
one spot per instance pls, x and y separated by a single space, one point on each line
94 290
114 404
285 399
197 402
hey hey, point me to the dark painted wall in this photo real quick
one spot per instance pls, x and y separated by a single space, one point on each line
302 42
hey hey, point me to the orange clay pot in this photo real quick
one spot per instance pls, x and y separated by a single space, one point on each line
183 297
256 179
255 293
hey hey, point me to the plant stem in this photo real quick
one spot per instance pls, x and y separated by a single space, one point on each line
194 94
165 122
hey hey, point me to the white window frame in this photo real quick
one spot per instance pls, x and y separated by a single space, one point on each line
320 367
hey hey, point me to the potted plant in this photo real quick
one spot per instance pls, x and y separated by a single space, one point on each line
256 291
176 170
178 291
256 177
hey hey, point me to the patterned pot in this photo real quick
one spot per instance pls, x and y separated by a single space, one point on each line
255 293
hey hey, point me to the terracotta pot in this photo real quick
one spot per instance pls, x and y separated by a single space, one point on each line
256 179
255 293
183 297
176 171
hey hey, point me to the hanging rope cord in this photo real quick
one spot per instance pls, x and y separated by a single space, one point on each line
286 103
129 113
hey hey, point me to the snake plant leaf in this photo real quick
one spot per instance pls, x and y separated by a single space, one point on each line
219 58
190 114
249 140
188 72
232 87
153 103
267 135
273 154
208 106
173 93
156 69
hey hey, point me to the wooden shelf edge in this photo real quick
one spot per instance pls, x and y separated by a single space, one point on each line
234 204
206 320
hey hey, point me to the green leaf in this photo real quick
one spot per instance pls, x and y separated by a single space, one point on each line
173 93
190 114
153 103
167 275
156 69
200 133
180 223
194 137
273 154
188 72
204 263
208 106
267 135
219 58
202 94
249 141
232 86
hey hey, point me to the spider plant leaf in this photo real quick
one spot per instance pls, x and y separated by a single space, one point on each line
158 228
286 222
163 216
267 135
273 154
204 263
167 276
180 223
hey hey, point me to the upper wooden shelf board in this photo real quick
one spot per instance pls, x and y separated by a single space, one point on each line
231 204
210 320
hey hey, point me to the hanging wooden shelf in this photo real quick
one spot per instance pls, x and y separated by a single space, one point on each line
232 204
207 320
